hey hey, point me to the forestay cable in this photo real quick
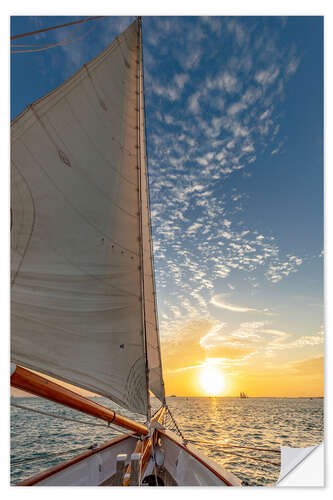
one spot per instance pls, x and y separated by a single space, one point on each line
55 27
63 42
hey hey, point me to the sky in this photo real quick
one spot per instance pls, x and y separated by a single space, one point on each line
234 110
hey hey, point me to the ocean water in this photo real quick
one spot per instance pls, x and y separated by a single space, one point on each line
39 442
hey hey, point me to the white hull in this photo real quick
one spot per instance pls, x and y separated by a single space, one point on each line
179 465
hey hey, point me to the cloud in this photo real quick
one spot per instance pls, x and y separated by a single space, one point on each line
299 342
279 335
267 76
265 114
228 82
192 229
312 366
213 22
171 91
181 79
219 345
236 108
292 65
185 368
278 270
219 301
196 144
193 102
230 353
237 30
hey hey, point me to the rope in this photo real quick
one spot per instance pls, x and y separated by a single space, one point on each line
173 421
61 43
234 446
46 44
242 456
251 458
95 424
108 426
56 27
179 432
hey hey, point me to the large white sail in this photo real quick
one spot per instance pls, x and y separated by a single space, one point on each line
83 307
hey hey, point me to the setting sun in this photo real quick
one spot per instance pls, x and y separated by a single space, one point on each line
212 380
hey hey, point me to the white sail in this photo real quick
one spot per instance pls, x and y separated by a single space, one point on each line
83 307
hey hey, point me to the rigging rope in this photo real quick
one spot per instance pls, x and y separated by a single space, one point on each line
56 27
222 445
173 421
170 422
251 458
46 44
167 419
95 424
63 42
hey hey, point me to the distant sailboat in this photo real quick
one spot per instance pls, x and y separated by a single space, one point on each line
83 292
242 395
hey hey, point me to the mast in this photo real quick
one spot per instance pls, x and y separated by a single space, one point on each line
140 115
150 227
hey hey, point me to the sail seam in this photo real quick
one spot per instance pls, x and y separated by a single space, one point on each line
32 225
73 207
113 167
79 170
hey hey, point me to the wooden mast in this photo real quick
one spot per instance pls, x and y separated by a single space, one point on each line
40 386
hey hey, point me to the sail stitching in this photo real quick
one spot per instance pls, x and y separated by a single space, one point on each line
95 277
99 98
74 208
113 167
32 225
67 162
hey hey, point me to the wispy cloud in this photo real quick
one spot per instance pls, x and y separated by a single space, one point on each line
313 366
219 301
292 65
267 76
209 119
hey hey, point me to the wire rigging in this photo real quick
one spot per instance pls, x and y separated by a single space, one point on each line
95 424
77 28
170 423
227 445
56 27
63 42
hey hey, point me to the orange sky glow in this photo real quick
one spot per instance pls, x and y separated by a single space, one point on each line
274 368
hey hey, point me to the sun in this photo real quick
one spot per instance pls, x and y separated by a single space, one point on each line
212 380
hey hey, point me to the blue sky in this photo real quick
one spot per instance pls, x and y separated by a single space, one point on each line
234 111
